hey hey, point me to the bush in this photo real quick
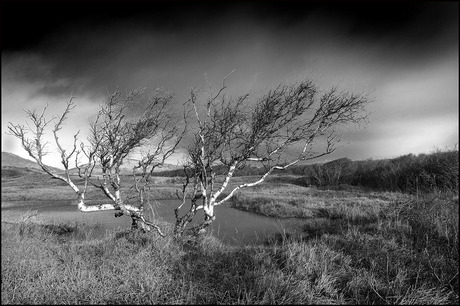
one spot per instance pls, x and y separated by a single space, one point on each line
424 173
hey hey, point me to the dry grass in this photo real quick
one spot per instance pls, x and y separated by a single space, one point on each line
289 201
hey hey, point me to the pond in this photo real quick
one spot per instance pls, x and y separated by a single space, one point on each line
232 226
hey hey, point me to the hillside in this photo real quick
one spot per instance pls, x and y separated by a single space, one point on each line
129 163
127 168
10 160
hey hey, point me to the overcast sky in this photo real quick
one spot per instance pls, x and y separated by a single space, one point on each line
405 54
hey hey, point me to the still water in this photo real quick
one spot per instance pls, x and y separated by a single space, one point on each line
232 226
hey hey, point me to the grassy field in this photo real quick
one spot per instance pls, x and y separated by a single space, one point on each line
290 201
357 247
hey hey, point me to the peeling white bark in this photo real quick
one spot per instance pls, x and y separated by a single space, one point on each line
225 182
117 195
209 210
92 208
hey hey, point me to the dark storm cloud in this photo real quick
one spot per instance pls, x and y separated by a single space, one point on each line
95 43
93 29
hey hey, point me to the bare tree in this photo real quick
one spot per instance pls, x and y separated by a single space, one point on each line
331 173
123 126
318 174
277 130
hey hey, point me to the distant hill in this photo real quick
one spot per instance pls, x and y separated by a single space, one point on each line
12 160
128 165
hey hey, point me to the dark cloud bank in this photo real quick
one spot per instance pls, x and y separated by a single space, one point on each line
96 44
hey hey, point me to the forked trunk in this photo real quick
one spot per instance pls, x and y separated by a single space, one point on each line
182 222
209 217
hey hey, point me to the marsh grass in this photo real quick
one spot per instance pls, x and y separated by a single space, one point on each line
299 202
39 267
402 249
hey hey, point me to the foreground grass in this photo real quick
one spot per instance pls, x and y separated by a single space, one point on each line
408 254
